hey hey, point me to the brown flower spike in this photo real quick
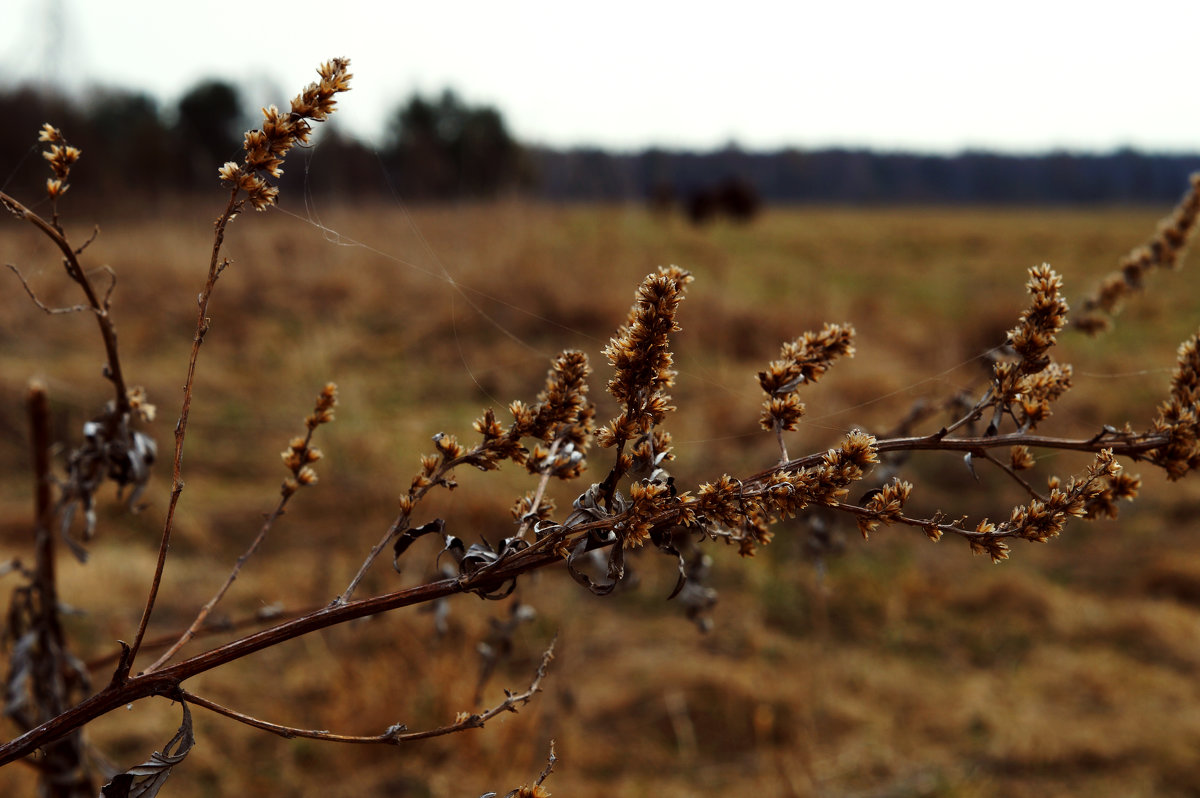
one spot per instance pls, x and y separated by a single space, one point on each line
801 362
1026 388
280 131
1164 251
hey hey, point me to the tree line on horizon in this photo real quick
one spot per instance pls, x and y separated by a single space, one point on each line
442 148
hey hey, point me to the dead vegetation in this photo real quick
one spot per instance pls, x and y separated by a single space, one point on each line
1013 635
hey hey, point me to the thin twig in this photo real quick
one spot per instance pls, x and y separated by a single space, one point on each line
95 233
783 452
38 302
203 614
202 325
1007 469
398 526
166 681
540 492
112 283
1132 445
397 734
551 761
267 614
75 271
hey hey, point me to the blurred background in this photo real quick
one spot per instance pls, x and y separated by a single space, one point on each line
490 192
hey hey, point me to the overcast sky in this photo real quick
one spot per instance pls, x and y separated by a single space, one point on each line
919 75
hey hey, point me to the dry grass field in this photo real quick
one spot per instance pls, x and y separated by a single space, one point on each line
895 667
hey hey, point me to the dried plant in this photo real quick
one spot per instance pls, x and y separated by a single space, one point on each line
637 502
1164 251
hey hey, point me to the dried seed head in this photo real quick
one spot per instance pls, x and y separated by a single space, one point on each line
987 543
61 157
561 419
136 397
323 409
887 504
1164 251
1028 386
640 356
1020 459
801 362
1179 416
266 147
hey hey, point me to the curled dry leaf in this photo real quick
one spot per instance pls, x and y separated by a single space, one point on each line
146 779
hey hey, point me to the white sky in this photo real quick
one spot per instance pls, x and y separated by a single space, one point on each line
918 74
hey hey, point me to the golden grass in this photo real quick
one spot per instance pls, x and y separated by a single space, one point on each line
911 669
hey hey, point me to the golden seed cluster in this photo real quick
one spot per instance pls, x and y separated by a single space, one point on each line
885 506
1094 495
1027 387
1179 415
560 420
61 156
280 131
640 356
801 362
783 494
300 454
1164 251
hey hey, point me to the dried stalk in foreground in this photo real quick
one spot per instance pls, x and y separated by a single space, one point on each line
637 502
248 182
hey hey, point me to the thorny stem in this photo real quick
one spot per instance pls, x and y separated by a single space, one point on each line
215 267
394 735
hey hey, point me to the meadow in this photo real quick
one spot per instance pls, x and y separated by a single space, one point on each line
834 666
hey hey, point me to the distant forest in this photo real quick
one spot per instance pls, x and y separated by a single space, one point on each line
443 149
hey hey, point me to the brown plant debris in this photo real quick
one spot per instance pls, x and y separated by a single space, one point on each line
1165 250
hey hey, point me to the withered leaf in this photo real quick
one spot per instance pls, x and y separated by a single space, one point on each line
146 779
408 538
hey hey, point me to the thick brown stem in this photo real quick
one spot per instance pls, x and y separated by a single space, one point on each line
167 680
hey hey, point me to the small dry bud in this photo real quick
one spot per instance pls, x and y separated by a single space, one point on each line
1020 459
291 459
136 397
230 173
